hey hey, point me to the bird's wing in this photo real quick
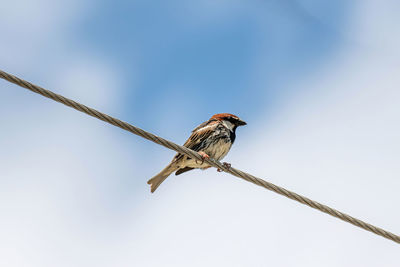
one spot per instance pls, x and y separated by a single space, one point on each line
186 169
198 136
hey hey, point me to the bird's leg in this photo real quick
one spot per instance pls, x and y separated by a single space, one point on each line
204 156
226 165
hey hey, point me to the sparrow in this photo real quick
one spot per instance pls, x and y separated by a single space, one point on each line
211 139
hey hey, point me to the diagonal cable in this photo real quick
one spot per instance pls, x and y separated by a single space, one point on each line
181 149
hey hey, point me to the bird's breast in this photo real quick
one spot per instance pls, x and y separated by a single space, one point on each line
219 149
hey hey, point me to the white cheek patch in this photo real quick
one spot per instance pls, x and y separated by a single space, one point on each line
228 125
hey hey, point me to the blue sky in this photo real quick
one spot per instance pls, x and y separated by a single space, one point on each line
317 82
199 53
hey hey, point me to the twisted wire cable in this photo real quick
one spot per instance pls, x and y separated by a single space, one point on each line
193 154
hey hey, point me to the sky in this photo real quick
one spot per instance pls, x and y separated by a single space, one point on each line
316 81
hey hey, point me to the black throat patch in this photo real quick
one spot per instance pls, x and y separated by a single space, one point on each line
232 134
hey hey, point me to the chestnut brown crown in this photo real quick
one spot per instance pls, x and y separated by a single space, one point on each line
229 117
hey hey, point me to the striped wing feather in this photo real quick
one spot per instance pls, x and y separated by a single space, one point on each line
198 136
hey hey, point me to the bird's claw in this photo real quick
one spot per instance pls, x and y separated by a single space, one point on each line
203 156
226 165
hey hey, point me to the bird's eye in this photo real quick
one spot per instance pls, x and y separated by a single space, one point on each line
232 119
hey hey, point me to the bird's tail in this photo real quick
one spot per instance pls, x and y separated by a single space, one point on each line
159 178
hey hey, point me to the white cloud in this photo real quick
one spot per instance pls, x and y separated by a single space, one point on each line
90 80
53 192
31 30
43 33
376 27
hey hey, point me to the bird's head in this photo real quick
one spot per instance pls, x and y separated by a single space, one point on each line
229 119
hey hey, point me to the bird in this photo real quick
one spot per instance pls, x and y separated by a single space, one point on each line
211 139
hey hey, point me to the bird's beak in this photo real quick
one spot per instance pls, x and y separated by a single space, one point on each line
240 123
